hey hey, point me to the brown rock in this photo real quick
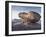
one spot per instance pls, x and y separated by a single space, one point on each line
30 17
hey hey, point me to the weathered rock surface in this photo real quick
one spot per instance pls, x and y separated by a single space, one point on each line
30 17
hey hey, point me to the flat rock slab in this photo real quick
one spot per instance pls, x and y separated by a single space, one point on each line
17 25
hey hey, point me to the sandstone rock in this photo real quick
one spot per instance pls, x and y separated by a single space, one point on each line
30 17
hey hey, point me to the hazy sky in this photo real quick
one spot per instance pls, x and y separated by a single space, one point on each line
17 9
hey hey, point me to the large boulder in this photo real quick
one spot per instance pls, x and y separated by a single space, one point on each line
30 17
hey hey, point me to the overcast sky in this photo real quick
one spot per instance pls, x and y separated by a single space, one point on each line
17 9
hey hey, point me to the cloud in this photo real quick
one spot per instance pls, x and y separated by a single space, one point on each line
17 9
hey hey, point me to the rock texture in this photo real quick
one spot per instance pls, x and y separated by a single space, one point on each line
28 21
30 17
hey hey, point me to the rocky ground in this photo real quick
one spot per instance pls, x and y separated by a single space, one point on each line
18 25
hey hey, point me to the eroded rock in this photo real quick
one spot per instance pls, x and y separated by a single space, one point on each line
30 17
